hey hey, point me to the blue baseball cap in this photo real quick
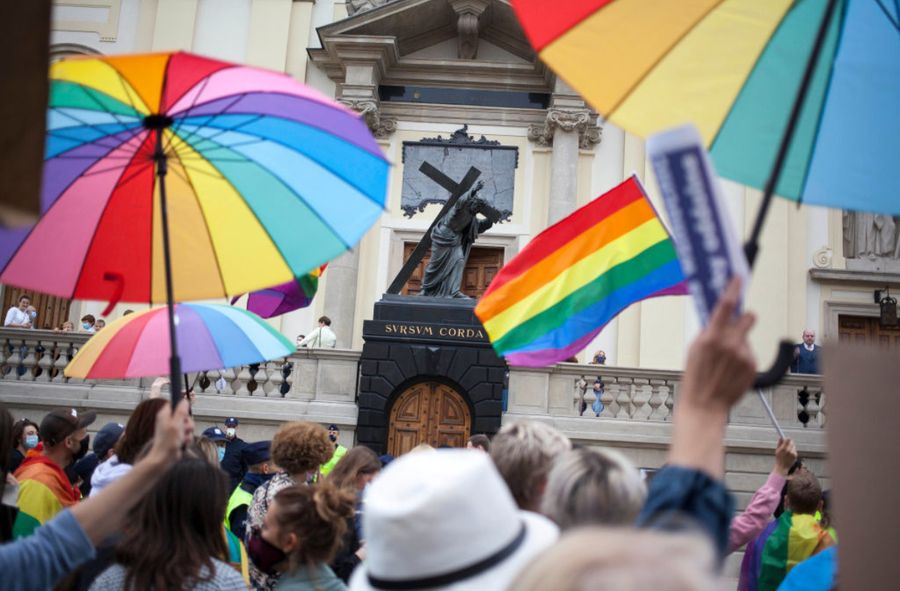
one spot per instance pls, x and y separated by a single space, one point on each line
106 438
232 422
256 453
215 434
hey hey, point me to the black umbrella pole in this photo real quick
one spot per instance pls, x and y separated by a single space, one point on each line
159 157
751 248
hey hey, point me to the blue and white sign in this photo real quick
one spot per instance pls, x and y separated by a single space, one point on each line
707 246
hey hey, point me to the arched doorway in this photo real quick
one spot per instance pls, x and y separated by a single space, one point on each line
428 412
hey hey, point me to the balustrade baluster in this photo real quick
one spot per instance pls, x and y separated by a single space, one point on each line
641 409
822 416
241 381
579 396
276 379
14 360
656 400
670 402
229 376
45 363
4 355
287 371
624 398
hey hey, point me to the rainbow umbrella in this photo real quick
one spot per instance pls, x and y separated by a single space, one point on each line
210 336
284 298
171 177
794 96
733 68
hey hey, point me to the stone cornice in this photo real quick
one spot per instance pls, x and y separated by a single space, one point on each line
847 277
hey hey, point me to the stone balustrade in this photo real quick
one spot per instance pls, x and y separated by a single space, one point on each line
630 394
312 384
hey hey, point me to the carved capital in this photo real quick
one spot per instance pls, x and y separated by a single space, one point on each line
380 126
582 122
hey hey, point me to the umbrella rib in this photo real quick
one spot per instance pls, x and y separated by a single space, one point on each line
84 123
299 197
179 121
225 130
304 155
212 244
177 127
661 57
63 155
90 91
887 13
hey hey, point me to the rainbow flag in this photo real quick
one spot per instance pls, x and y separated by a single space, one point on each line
784 544
551 300
44 491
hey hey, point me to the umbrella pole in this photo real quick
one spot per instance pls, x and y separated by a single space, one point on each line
162 168
751 248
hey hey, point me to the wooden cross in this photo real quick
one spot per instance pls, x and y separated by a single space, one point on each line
456 191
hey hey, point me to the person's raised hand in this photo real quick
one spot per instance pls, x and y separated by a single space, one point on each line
169 434
720 364
785 455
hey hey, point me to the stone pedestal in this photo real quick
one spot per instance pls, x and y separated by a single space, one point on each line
414 339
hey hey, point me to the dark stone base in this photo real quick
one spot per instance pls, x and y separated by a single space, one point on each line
415 339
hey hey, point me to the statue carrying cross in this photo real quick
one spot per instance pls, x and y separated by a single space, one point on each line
450 235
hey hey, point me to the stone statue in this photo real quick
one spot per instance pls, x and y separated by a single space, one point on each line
869 235
357 6
451 240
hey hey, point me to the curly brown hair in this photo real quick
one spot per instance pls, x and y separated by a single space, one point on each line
300 446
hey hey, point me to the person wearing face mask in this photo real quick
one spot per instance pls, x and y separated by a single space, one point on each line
302 532
339 451
104 444
217 436
87 323
44 488
298 448
260 470
232 463
25 438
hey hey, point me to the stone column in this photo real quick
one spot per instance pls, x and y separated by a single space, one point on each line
342 276
569 127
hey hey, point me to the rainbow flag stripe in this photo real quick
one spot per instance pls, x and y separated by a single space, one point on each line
552 299
784 544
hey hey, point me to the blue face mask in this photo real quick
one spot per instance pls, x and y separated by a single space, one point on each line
85 326
31 441
221 452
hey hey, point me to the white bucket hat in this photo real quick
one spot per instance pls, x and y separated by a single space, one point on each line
446 520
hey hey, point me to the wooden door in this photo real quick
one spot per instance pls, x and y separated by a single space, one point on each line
868 330
482 266
52 310
430 413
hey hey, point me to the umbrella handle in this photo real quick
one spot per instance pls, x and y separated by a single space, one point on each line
779 368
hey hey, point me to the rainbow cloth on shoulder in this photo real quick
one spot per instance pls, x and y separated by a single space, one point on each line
551 300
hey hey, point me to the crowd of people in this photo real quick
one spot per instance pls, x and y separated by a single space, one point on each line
158 507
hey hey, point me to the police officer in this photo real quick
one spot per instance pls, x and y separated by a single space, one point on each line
259 469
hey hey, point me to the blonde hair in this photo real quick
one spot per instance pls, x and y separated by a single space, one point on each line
593 486
622 559
524 452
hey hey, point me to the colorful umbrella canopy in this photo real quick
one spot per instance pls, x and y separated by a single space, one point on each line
210 336
284 298
267 179
732 68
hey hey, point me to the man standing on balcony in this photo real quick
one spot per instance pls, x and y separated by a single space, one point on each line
806 354
44 488
322 337
18 316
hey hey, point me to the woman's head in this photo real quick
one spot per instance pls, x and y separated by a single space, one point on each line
308 522
25 434
139 430
623 559
68 326
593 486
356 469
176 528
299 447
